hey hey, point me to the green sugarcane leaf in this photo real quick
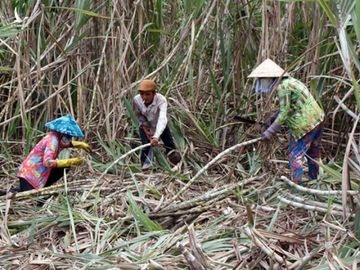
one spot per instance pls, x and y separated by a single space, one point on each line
140 216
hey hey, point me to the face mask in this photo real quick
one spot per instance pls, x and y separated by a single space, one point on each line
66 139
264 85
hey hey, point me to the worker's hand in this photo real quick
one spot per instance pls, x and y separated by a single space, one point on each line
62 163
81 145
273 129
266 136
147 131
154 141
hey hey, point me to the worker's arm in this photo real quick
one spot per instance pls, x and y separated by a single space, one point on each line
51 152
50 156
161 124
285 102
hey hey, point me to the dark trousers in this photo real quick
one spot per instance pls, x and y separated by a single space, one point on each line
55 175
166 137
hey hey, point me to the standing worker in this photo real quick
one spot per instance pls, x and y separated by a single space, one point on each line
299 111
41 168
151 110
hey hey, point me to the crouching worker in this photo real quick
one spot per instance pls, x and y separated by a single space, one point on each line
299 111
41 168
151 110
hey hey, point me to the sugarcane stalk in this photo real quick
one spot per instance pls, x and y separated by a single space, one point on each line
316 191
301 263
194 264
195 247
197 209
215 159
154 265
98 74
241 150
124 156
313 208
315 203
43 191
345 108
112 164
53 189
212 194
280 237
48 191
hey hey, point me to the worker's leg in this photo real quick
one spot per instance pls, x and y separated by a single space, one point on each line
55 175
313 153
145 152
168 140
12 190
297 150
24 185
170 147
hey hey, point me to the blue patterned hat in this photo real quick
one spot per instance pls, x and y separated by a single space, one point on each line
66 125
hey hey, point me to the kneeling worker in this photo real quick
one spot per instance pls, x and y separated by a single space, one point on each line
151 110
41 168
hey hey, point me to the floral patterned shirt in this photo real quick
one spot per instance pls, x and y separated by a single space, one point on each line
37 166
298 108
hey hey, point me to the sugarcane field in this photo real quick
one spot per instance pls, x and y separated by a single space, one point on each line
190 134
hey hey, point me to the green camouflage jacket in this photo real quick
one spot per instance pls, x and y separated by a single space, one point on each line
298 108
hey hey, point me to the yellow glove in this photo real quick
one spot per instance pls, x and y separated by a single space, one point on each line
81 145
62 163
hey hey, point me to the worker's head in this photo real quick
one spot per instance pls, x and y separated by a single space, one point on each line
65 126
266 75
147 90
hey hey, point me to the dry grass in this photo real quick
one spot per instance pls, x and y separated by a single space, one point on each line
122 221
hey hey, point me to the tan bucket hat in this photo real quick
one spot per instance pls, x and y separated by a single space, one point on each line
268 69
147 85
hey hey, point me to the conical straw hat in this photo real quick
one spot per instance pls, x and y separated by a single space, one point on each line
66 125
267 69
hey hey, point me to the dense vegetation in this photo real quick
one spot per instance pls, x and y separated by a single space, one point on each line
86 58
